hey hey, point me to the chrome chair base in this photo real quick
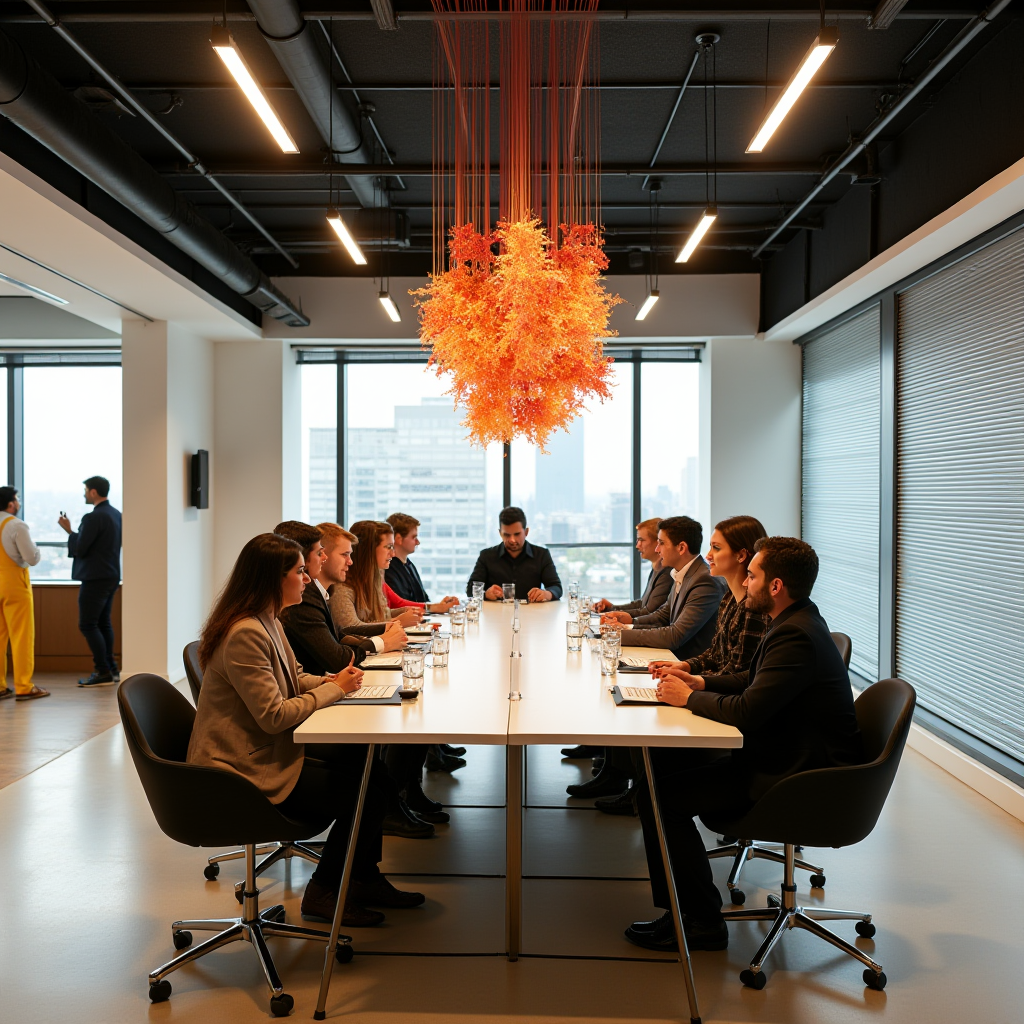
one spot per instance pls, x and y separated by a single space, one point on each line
783 913
742 850
254 926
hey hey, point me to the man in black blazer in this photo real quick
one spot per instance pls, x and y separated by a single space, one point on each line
95 548
795 709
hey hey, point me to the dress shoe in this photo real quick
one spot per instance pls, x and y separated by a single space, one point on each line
444 763
98 679
598 766
405 824
661 935
318 904
610 782
574 753
621 804
447 748
381 893
424 808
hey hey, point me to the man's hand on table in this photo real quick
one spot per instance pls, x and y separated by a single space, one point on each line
622 617
408 616
394 636
493 593
674 691
603 605
538 596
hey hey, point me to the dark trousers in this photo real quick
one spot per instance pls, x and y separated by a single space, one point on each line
330 782
690 782
95 599
405 763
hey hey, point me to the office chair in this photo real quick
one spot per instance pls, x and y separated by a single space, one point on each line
827 807
201 806
273 852
742 850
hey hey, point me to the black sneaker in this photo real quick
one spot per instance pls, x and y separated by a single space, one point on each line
98 679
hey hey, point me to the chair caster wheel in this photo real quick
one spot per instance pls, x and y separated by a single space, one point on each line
875 981
279 916
182 939
737 896
160 991
211 871
866 930
773 900
344 953
759 980
281 1006
818 881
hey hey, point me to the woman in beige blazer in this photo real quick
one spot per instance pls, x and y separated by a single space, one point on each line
253 695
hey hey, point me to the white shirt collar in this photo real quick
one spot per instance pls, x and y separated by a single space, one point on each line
678 574
323 590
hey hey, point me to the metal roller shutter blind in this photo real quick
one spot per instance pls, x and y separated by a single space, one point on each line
960 464
841 472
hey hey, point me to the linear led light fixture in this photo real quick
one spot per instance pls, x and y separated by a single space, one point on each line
33 290
225 48
708 217
389 306
813 59
341 230
648 305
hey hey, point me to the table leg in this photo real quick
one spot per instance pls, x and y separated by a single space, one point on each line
673 896
346 877
513 850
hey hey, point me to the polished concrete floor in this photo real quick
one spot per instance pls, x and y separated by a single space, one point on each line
91 885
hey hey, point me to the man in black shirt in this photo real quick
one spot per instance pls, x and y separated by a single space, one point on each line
516 561
401 575
96 549
795 709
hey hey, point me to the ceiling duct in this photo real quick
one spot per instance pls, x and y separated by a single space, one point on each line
307 68
33 100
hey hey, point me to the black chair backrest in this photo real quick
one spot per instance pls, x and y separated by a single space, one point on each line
193 670
193 804
839 806
843 642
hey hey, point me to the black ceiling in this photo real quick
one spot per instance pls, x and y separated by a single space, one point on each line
161 50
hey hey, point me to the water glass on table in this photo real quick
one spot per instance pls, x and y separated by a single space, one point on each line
478 590
458 620
574 604
611 649
508 592
412 670
439 651
574 634
473 611
573 590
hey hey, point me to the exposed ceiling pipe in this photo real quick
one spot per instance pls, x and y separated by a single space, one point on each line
962 39
292 40
35 101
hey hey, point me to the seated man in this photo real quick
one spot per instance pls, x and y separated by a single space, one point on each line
794 707
401 575
516 561
685 623
659 582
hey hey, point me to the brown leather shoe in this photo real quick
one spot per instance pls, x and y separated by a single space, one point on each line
318 904
34 694
381 893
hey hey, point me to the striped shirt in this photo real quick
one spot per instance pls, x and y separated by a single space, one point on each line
737 636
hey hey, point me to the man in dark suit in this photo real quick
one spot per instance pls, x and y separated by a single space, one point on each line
794 707
96 552
659 582
515 560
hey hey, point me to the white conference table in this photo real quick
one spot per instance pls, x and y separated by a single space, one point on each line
488 695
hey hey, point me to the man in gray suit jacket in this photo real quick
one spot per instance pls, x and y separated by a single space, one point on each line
685 623
659 583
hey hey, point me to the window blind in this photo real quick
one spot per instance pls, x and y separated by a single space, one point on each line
841 472
960 466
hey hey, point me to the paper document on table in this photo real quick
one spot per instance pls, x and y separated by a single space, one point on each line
383 661
635 694
632 663
371 692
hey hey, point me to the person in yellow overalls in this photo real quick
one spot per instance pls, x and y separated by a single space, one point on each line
17 623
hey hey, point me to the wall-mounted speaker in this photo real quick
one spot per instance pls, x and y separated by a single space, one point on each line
201 479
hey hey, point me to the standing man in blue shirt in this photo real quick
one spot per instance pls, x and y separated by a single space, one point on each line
96 550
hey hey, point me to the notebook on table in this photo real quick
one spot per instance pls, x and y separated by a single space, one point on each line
635 663
636 695
371 693
388 662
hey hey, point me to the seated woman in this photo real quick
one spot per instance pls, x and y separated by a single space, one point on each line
738 632
254 693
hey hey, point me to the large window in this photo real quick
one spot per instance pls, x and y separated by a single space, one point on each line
404 450
62 426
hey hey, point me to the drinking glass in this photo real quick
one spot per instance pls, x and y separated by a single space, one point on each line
478 590
574 588
508 592
574 604
412 670
610 651
573 634
458 620
439 651
473 611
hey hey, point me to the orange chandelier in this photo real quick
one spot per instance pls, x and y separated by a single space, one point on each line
515 312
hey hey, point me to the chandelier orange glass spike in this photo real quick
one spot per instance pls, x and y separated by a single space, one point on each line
515 312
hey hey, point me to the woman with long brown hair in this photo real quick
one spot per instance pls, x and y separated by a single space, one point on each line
253 695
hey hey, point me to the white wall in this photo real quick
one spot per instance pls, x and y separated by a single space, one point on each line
750 433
